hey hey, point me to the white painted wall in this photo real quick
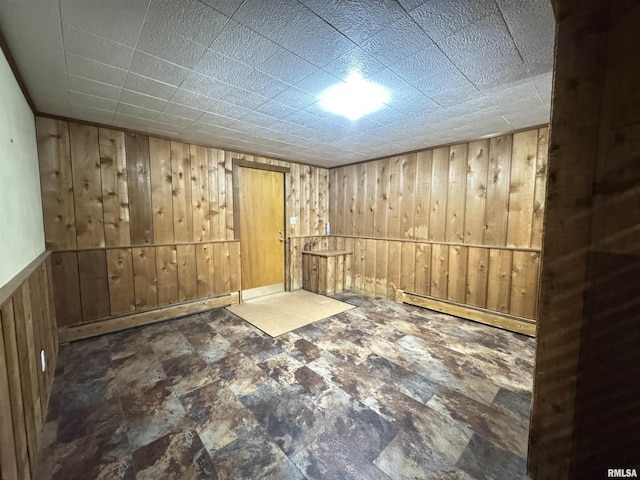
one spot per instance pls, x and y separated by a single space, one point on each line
21 226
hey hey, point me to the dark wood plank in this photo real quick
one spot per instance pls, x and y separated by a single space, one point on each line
139 183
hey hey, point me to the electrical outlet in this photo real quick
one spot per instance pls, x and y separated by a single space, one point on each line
43 360
293 220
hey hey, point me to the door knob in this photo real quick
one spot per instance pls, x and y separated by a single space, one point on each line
281 239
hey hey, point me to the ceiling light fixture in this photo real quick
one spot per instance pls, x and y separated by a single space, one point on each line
354 98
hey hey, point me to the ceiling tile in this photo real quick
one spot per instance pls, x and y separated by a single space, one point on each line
80 99
178 122
286 66
317 82
135 111
191 19
441 19
427 61
22 18
489 39
158 69
117 20
170 47
295 27
531 24
182 111
83 110
96 48
357 20
228 7
226 109
243 44
355 60
149 86
192 99
84 67
136 98
275 109
93 87
295 98
396 41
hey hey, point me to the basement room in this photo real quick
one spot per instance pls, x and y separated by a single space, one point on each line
308 239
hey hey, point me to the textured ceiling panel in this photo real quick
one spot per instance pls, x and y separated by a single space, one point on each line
246 74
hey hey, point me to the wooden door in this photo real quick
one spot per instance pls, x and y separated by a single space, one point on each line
261 198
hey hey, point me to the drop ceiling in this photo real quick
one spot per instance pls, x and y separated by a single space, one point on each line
246 75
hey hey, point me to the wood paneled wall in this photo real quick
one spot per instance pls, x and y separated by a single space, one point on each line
28 328
585 417
461 223
139 222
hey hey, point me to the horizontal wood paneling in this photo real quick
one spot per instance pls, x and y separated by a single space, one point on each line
28 327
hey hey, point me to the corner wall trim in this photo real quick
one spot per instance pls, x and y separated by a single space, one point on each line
512 323
72 333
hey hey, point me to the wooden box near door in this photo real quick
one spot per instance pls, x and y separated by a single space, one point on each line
326 271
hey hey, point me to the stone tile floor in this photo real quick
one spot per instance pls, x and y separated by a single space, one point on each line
381 391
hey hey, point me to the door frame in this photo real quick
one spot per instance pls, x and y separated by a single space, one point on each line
238 163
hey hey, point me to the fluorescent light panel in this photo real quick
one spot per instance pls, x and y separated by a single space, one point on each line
354 98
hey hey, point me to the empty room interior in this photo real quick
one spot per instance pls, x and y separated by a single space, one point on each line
307 239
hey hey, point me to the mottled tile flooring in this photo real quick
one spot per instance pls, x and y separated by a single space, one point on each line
381 391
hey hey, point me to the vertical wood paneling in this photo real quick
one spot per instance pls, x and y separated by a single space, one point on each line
204 270
407 266
439 270
121 285
66 288
27 326
524 284
439 191
181 182
94 284
499 288
382 208
28 367
8 454
233 249
361 196
422 264
373 184
214 198
358 264
87 185
228 183
457 192
161 190
407 195
56 183
187 277
200 193
393 268
139 187
424 170
537 225
522 188
167 272
14 391
498 190
145 277
369 276
458 262
115 196
476 201
477 277
381 267
393 196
